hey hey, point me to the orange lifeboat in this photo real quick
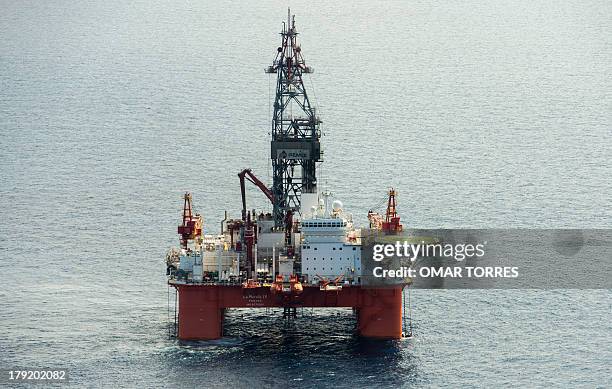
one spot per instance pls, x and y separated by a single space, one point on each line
250 283
293 286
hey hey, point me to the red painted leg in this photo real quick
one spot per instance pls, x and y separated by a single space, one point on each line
200 317
380 314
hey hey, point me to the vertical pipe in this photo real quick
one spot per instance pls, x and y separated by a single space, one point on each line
255 277
223 223
168 309
219 261
273 263
238 265
175 314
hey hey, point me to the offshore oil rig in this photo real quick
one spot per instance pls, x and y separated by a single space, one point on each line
306 253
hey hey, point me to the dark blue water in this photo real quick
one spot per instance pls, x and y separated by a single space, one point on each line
482 114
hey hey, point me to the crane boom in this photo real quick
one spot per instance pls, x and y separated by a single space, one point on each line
247 174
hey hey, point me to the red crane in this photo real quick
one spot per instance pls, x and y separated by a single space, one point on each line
392 220
250 235
247 174
192 225
391 223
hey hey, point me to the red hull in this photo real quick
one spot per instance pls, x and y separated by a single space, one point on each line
201 307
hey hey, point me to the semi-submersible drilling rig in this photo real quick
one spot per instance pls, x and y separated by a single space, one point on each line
307 253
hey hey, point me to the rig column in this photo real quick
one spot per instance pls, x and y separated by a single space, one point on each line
380 313
200 316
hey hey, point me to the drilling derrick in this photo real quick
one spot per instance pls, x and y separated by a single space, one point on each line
295 147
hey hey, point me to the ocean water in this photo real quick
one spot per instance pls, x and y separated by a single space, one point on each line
481 114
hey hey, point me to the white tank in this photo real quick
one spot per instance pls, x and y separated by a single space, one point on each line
337 205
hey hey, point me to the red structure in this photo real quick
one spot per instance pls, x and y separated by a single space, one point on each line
202 307
392 223
247 174
192 225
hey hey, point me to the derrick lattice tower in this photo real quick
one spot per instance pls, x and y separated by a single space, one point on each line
295 146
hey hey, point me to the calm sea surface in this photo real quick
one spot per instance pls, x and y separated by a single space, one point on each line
481 113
